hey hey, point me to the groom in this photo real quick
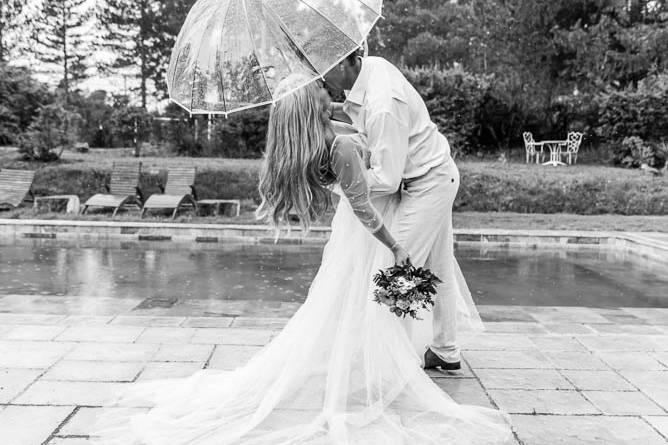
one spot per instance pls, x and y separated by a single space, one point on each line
405 149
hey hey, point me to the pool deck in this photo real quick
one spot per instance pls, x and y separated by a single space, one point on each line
566 375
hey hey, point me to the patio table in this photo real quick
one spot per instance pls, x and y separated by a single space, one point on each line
555 151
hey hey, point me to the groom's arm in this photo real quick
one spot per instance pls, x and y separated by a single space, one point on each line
387 135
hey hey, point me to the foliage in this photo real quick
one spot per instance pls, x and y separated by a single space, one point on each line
54 127
10 24
634 152
129 125
135 32
453 98
60 37
20 98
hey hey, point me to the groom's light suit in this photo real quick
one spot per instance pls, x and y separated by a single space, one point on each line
410 156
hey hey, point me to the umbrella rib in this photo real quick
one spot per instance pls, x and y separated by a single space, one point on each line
282 25
220 76
250 34
322 14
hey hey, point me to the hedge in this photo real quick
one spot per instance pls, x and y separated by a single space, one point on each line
485 187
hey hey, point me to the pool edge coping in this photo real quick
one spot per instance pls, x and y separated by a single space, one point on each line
636 242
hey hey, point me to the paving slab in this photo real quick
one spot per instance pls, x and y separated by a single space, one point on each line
30 425
624 343
86 320
632 360
651 315
105 333
566 315
660 423
14 381
497 342
597 380
145 320
465 391
29 354
89 371
522 379
556 343
640 329
69 441
113 352
183 353
69 393
584 430
172 335
83 421
208 322
511 327
575 360
230 357
623 403
260 322
229 336
32 332
170 370
507 359
19 318
568 328
542 402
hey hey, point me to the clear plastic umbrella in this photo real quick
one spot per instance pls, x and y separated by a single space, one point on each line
231 54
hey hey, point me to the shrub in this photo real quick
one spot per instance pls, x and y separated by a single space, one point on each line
53 128
632 152
20 98
453 98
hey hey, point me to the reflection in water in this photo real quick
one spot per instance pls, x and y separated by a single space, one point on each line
284 273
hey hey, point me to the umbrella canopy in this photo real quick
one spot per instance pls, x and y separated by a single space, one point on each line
231 54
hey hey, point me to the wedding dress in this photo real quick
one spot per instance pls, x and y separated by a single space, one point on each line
343 371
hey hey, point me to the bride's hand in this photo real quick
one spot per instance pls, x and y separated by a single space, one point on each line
400 255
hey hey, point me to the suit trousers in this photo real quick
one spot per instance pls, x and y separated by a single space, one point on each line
423 226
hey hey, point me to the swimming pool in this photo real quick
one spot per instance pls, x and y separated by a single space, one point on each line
174 271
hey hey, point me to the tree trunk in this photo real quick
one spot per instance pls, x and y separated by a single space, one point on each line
66 80
142 49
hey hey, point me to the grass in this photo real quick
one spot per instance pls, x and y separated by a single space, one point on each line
461 220
486 186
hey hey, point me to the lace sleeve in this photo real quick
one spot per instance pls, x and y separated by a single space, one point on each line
348 168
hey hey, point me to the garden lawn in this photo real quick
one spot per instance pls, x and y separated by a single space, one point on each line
485 186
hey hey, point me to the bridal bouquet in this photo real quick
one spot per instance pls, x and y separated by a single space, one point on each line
405 289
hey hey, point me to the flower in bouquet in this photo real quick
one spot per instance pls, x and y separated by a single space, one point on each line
405 289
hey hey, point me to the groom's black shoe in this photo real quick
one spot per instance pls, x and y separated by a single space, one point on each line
432 361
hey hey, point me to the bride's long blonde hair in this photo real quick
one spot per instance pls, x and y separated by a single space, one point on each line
295 169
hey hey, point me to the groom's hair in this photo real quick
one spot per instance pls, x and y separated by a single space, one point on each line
352 57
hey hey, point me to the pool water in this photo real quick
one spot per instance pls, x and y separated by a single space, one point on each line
173 271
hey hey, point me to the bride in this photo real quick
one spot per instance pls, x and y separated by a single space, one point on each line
343 371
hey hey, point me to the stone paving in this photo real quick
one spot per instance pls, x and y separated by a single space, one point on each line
566 375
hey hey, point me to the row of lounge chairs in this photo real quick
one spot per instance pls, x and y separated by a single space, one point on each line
122 191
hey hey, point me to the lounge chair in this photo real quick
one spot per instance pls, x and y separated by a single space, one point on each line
123 189
15 187
179 191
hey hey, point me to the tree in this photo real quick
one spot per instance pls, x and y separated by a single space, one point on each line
142 34
20 98
130 31
60 34
10 23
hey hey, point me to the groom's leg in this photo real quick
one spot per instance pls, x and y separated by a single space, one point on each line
423 225
441 262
